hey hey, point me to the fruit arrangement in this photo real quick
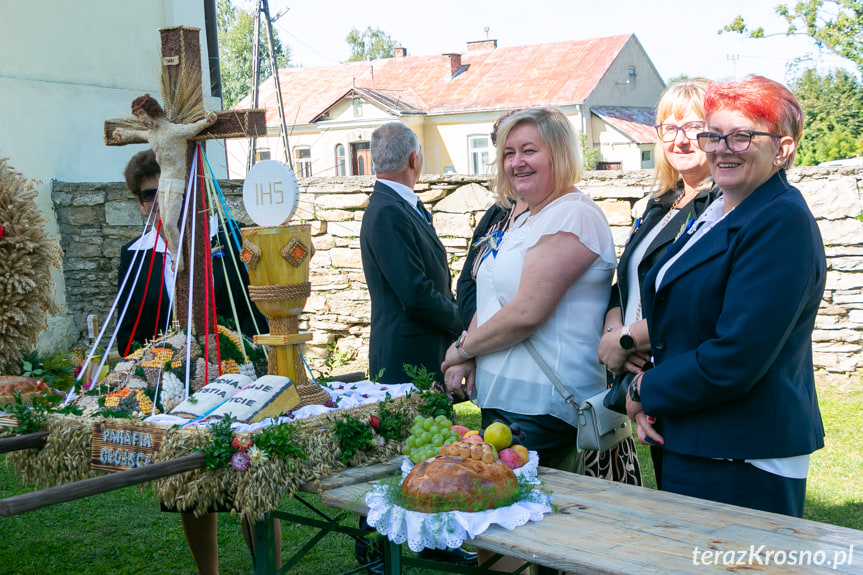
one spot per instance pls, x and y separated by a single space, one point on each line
438 436
427 436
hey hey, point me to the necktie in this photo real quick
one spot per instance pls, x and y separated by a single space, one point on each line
423 211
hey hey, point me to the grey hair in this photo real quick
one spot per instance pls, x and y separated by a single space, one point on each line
391 147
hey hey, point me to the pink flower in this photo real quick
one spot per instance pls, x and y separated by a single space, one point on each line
240 461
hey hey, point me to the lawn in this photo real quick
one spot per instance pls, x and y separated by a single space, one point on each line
124 533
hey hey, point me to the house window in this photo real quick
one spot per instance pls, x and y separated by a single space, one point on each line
478 148
645 155
304 162
608 165
262 154
357 104
340 160
361 159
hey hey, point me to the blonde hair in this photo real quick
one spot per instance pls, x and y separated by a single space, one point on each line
556 133
676 100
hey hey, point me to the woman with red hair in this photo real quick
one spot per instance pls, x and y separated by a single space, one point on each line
730 311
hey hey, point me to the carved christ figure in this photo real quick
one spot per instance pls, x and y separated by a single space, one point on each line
169 142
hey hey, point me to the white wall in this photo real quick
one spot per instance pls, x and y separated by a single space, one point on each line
65 68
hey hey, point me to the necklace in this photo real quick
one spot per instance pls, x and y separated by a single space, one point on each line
672 210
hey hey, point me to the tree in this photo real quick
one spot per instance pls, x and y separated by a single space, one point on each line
834 24
236 30
373 43
833 108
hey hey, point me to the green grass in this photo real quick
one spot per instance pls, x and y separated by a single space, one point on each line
124 533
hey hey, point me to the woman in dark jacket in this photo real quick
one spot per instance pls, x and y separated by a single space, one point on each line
684 191
731 308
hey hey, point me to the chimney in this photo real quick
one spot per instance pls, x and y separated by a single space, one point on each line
452 63
400 52
482 45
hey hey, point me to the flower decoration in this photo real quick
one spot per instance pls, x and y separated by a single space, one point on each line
240 461
241 442
257 456
2 232
374 422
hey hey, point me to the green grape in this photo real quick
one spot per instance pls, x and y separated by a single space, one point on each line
419 442
428 423
426 436
445 423
416 429
406 450
449 440
411 441
439 418
437 440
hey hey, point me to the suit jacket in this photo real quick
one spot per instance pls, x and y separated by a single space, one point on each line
731 333
414 318
655 210
149 324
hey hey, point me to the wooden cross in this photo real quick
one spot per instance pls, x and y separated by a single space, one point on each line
181 54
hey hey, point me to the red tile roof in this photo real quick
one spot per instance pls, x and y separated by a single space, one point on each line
560 73
637 124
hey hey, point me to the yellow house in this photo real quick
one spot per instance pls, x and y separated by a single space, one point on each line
452 100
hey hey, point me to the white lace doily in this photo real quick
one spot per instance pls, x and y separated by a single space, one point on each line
451 528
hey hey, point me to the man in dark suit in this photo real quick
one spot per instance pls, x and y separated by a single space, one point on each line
414 318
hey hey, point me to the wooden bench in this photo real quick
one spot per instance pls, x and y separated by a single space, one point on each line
601 527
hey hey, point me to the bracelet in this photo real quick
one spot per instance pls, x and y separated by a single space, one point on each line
459 343
463 353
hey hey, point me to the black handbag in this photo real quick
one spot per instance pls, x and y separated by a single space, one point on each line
615 399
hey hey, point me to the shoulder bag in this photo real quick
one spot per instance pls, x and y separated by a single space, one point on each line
599 428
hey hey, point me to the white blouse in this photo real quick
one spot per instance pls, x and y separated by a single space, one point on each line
510 379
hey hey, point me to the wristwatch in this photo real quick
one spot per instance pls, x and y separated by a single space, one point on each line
633 390
626 341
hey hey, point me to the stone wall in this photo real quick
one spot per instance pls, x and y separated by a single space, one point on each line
97 219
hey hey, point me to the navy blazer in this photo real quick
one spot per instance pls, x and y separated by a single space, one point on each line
731 333
414 317
655 210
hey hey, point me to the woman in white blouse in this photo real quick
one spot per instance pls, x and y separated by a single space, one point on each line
548 282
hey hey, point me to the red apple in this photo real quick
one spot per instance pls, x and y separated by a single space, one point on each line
460 429
510 457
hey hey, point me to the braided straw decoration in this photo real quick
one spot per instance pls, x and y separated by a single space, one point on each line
285 325
280 292
311 394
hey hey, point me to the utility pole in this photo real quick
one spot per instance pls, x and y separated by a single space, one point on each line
734 58
263 7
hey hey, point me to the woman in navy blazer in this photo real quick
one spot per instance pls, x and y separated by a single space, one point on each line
730 311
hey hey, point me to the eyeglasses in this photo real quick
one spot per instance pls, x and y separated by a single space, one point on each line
147 195
668 132
738 141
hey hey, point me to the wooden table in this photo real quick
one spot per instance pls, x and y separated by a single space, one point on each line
601 527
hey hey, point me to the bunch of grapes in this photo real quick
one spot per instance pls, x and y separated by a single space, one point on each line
427 435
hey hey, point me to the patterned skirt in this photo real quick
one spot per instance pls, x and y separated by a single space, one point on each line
620 463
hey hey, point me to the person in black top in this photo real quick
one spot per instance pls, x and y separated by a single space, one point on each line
149 301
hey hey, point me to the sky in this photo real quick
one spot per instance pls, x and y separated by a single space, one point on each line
680 36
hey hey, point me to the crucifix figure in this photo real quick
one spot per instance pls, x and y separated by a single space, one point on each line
169 142
183 116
